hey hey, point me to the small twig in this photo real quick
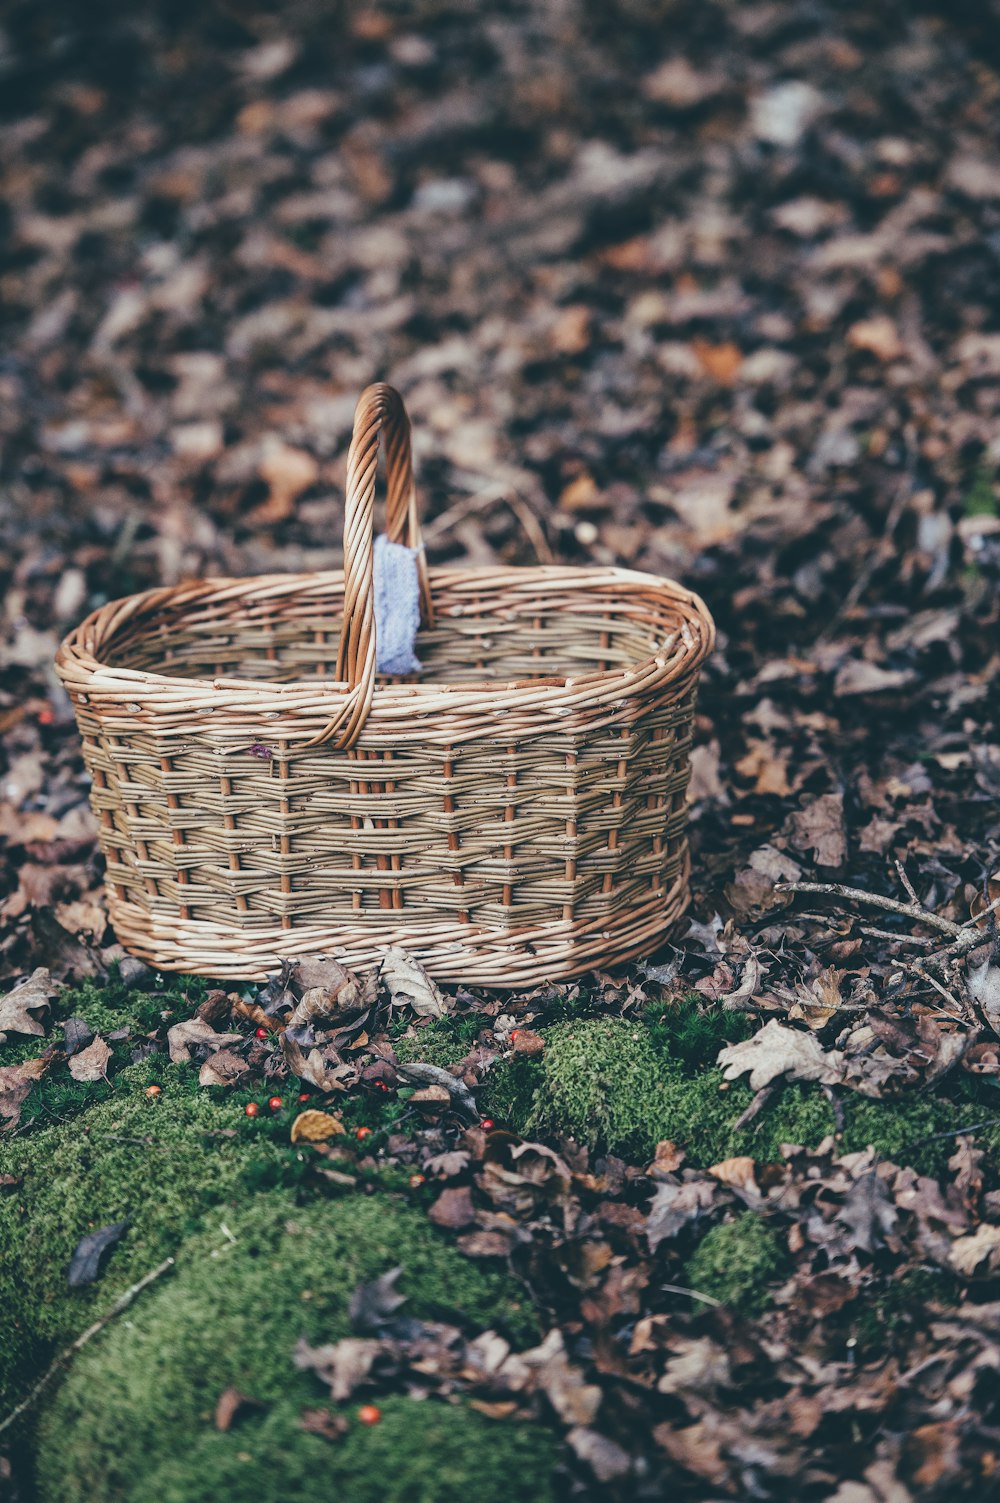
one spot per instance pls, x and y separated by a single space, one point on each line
899 939
876 900
755 1108
917 970
955 1132
706 1299
901 869
121 1303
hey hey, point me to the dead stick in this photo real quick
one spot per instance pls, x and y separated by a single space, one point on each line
875 900
121 1303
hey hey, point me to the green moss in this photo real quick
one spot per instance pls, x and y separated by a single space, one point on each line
138 1404
737 1262
418 1453
692 1032
159 1164
618 1085
443 1041
901 1304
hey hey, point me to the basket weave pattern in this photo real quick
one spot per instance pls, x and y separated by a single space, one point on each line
515 815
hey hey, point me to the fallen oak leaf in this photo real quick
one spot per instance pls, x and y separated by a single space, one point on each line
315 1127
967 1254
195 1033
409 985
316 1067
223 1068
30 996
778 1050
85 1265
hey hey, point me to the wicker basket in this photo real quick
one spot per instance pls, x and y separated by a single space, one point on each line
516 815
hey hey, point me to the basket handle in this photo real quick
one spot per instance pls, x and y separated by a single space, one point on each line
380 417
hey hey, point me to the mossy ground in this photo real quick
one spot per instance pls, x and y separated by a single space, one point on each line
738 1262
133 1416
613 1083
135 1412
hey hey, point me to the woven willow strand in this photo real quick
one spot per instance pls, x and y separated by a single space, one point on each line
517 815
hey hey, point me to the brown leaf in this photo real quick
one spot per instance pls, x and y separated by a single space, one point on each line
739 1173
453 1208
977 1252
524 1041
819 828
194 1033
91 1063
30 996
409 985
316 1127
223 1068
777 1050
325 1423
15 1086
676 1203
230 1405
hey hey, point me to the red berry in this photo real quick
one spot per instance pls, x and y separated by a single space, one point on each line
514 1034
487 1122
262 1033
369 1414
416 1180
275 1103
380 1085
303 1095
45 715
363 1132
153 1090
252 1109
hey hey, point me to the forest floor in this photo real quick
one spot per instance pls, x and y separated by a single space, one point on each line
708 290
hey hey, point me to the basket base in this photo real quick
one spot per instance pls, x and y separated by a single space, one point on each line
466 954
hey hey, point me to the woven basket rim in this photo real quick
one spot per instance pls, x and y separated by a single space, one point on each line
81 667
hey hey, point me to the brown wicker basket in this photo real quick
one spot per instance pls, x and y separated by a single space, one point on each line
516 815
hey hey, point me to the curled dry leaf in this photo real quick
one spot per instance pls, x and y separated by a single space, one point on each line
315 1127
29 997
223 1068
91 1063
409 985
195 1033
330 991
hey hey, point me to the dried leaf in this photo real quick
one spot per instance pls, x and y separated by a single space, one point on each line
30 996
316 1127
230 1405
778 1050
344 1365
91 1063
409 985
223 1068
195 1033
85 1264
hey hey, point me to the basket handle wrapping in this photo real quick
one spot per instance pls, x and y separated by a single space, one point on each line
380 417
